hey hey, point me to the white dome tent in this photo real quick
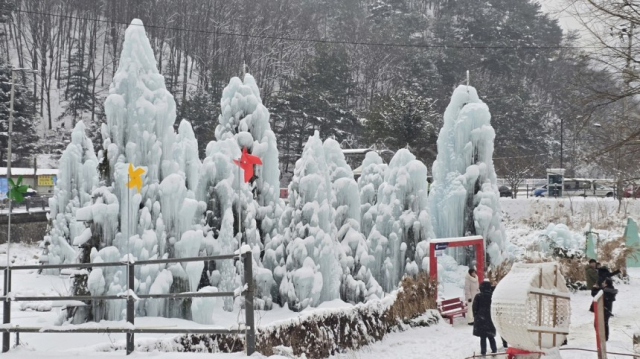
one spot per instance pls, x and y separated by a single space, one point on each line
531 307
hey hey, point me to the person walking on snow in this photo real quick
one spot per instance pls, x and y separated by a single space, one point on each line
483 325
471 288
609 296
591 274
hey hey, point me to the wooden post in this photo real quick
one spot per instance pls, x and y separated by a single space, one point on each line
555 303
6 337
6 307
636 345
598 312
540 311
250 336
130 303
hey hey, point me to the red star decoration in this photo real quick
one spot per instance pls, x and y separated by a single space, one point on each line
246 162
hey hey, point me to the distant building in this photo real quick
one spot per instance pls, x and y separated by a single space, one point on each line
42 180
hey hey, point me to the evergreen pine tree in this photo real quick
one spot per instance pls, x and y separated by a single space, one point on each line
319 98
199 108
25 140
79 95
6 7
404 120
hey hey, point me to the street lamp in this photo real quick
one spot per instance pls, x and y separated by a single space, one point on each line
7 273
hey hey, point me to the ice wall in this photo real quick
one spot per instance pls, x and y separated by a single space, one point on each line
357 282
373 172
305 257
403 225
464 194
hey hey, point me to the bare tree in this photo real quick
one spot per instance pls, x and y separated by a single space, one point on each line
516 168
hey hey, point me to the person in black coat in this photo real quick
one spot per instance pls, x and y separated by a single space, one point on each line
483 325
609 296
604 273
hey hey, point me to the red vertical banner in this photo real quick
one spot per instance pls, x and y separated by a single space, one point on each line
598 313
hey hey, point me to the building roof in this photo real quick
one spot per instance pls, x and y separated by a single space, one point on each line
356 151
18 171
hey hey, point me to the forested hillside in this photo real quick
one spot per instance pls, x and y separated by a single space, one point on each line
365 72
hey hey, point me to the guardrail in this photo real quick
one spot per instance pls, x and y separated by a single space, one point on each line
131 297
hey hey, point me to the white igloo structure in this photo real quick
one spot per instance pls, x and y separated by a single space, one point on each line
531 307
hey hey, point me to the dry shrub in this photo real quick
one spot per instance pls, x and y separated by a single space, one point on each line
416 297
598 212
495 274
614 253
572 269
325 334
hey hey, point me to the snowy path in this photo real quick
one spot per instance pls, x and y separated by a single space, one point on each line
446 342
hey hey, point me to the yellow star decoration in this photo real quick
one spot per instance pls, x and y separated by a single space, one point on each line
135 179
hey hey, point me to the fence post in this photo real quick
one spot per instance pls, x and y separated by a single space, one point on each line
6 308
250 337
527 190
130 305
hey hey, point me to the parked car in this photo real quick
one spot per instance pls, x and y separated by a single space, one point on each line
31 192
631 192
505 191
540 191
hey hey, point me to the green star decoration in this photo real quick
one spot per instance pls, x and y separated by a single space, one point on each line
17 190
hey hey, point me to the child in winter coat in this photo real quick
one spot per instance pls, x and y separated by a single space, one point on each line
471 288
483 325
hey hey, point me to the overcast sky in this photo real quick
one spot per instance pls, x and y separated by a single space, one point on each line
556 8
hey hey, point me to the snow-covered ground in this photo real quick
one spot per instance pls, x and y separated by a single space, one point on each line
444 341
524 221
441 341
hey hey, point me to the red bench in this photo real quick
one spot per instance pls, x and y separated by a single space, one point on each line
451 308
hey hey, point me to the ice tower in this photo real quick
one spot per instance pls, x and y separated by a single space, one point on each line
398 240
77 179
464 194
158 221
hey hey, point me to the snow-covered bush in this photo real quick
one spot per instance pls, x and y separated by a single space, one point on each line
77 178
464 195
558 240
402 221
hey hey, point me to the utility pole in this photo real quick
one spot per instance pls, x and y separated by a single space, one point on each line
7 273
561 142
627 77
